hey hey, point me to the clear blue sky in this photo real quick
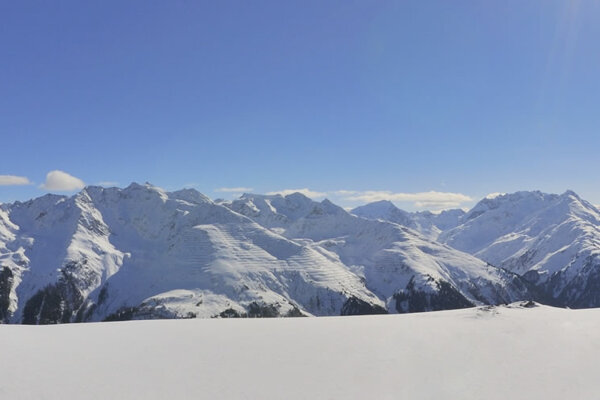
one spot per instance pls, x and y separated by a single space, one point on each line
466 97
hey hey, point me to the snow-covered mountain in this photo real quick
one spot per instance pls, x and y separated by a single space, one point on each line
553 241
141 252
407 270
427 223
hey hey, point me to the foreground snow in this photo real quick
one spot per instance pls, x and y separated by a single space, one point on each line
483 353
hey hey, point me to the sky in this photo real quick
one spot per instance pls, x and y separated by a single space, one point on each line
432 104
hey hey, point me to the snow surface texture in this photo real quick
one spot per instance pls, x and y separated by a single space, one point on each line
480 353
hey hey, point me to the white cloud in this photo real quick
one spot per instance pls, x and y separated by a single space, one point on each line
429 200
60 181
307 192
345 192
494 195
235 190
108 183
12 180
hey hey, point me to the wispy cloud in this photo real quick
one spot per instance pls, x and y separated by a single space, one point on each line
432 200
429 200
61 181
305 191
346 192
13 180
108 183
494 195
234 190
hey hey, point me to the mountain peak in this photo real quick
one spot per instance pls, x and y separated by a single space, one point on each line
331 208
547 237
189 195
570 193
522 201
149 189
382 209
297 196
258 196
382 203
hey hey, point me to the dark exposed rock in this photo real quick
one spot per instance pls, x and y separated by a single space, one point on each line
529 304
295 312
231 313
6 282
103 295
355 306
531 276
445 298
583 291
54 304
256 310
123 314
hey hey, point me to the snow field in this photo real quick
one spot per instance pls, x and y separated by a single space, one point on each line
480 353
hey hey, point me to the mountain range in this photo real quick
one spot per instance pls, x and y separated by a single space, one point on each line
145 253
552 241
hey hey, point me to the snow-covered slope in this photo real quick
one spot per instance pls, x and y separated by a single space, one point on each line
409 271
552 240
486 353
427 223
141 252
